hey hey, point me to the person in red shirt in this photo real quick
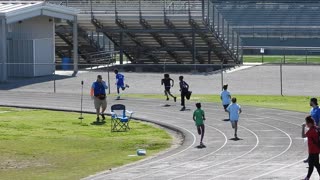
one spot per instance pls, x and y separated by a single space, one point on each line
313 145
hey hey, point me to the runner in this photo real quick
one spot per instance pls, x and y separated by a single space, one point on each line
120 83
315 111
225 97
315 114
98 93
234 110
184 88
166 81
313 145
199 118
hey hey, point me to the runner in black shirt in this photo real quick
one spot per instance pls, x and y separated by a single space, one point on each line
167 86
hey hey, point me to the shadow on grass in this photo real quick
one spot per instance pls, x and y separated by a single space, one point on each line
98 123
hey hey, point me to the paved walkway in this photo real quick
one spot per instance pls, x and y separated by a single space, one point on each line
271 146
261 80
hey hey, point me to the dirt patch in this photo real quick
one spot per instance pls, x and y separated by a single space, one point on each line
22 164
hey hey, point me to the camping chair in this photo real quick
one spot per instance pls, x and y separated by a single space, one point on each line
119 119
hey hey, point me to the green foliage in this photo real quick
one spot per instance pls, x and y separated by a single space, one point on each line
279 59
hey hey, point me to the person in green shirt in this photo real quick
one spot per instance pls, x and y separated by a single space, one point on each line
198 117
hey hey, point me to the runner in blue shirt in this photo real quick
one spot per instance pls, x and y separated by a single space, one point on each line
235 110
315 111
225 97
315 114
120 83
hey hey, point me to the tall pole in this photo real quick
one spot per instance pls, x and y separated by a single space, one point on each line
281 80
109 89
121 48
221 74
193 48
75 46
81 102
4 57
202 2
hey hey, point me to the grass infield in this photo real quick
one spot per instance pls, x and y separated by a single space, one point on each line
39 144
279 59
292 103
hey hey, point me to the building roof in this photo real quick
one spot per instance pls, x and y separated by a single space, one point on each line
14 11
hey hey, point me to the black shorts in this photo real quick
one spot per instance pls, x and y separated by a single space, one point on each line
167 89
225 106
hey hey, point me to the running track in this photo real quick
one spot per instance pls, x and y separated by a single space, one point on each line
271 147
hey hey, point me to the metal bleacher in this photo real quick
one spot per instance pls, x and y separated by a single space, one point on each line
152 32
272 19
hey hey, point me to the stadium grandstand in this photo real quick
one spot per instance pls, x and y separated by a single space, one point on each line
185 31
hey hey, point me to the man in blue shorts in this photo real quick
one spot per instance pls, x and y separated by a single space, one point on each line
120 83
98 94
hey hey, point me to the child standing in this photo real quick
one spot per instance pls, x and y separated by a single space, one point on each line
120 83
313 145
184 88
199 118
166 81
234 110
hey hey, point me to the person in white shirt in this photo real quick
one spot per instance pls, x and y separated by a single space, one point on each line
234 110
225 97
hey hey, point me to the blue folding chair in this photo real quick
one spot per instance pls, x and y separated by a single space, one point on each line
119 119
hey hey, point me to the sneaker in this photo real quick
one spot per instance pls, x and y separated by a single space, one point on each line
98 119
127 86
306 161
202 145
183 109
235 136
175 99
103 117
167 99
123 88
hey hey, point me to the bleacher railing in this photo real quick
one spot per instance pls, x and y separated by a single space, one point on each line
227 35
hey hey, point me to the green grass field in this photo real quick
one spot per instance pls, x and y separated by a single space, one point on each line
292 103
39 144
279 59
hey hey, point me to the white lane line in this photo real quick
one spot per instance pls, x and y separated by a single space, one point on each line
225 142
256 164
230 160
286 166
108 173
278 169
98 176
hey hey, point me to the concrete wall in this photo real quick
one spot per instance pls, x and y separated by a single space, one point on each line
31 45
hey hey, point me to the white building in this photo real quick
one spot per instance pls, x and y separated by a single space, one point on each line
27 37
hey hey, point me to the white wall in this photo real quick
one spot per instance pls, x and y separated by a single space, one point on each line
35 28
31 41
